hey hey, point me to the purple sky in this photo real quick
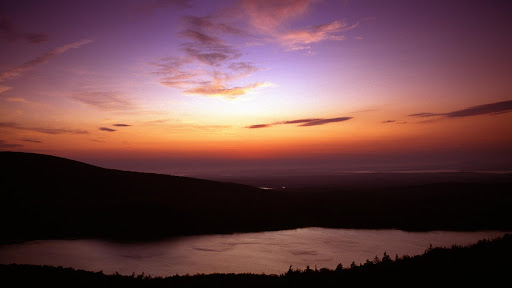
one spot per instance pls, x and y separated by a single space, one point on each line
191 87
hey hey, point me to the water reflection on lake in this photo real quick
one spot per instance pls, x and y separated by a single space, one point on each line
262 252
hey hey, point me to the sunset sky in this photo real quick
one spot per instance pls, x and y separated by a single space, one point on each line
189 87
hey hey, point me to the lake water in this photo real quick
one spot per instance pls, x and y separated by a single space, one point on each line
262 252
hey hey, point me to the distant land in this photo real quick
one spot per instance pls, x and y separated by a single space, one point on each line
47 197
363 179
486 262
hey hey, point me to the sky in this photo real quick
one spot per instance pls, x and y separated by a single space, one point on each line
192 87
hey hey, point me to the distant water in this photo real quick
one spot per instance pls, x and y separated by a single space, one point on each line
262 252
431 171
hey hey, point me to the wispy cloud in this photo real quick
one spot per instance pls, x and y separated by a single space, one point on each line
202 38
57 131
303 38
17 71
210 59
11 33
4 144
303 122
259 126
104 100
211 25
485 109
107 129
243 68
52 131
4 88
177 125
426 114
299 121
393 122
121 125
207 65
220 90
326 121
212 56
270 18
17 99
31 140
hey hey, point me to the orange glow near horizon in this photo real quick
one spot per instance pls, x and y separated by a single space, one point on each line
258 81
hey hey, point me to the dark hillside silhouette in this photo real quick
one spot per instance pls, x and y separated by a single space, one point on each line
51 197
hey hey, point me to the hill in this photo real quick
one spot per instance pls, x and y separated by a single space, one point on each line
50 197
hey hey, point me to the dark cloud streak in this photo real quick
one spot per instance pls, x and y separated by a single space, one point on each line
259 126
425 114
17 71
299 121
485 109
326 121
303 122
31 141
492 108
3 144
51 131
107 129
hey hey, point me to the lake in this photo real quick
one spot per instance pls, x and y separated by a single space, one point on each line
262 252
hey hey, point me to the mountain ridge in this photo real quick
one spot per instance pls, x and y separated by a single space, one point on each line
51 197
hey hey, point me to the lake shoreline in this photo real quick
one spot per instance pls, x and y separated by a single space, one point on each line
268 252
176 236
436 264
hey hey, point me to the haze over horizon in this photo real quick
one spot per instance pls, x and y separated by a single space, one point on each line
193 87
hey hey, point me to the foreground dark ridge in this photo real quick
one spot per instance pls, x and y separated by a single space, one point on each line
47 197
486 262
